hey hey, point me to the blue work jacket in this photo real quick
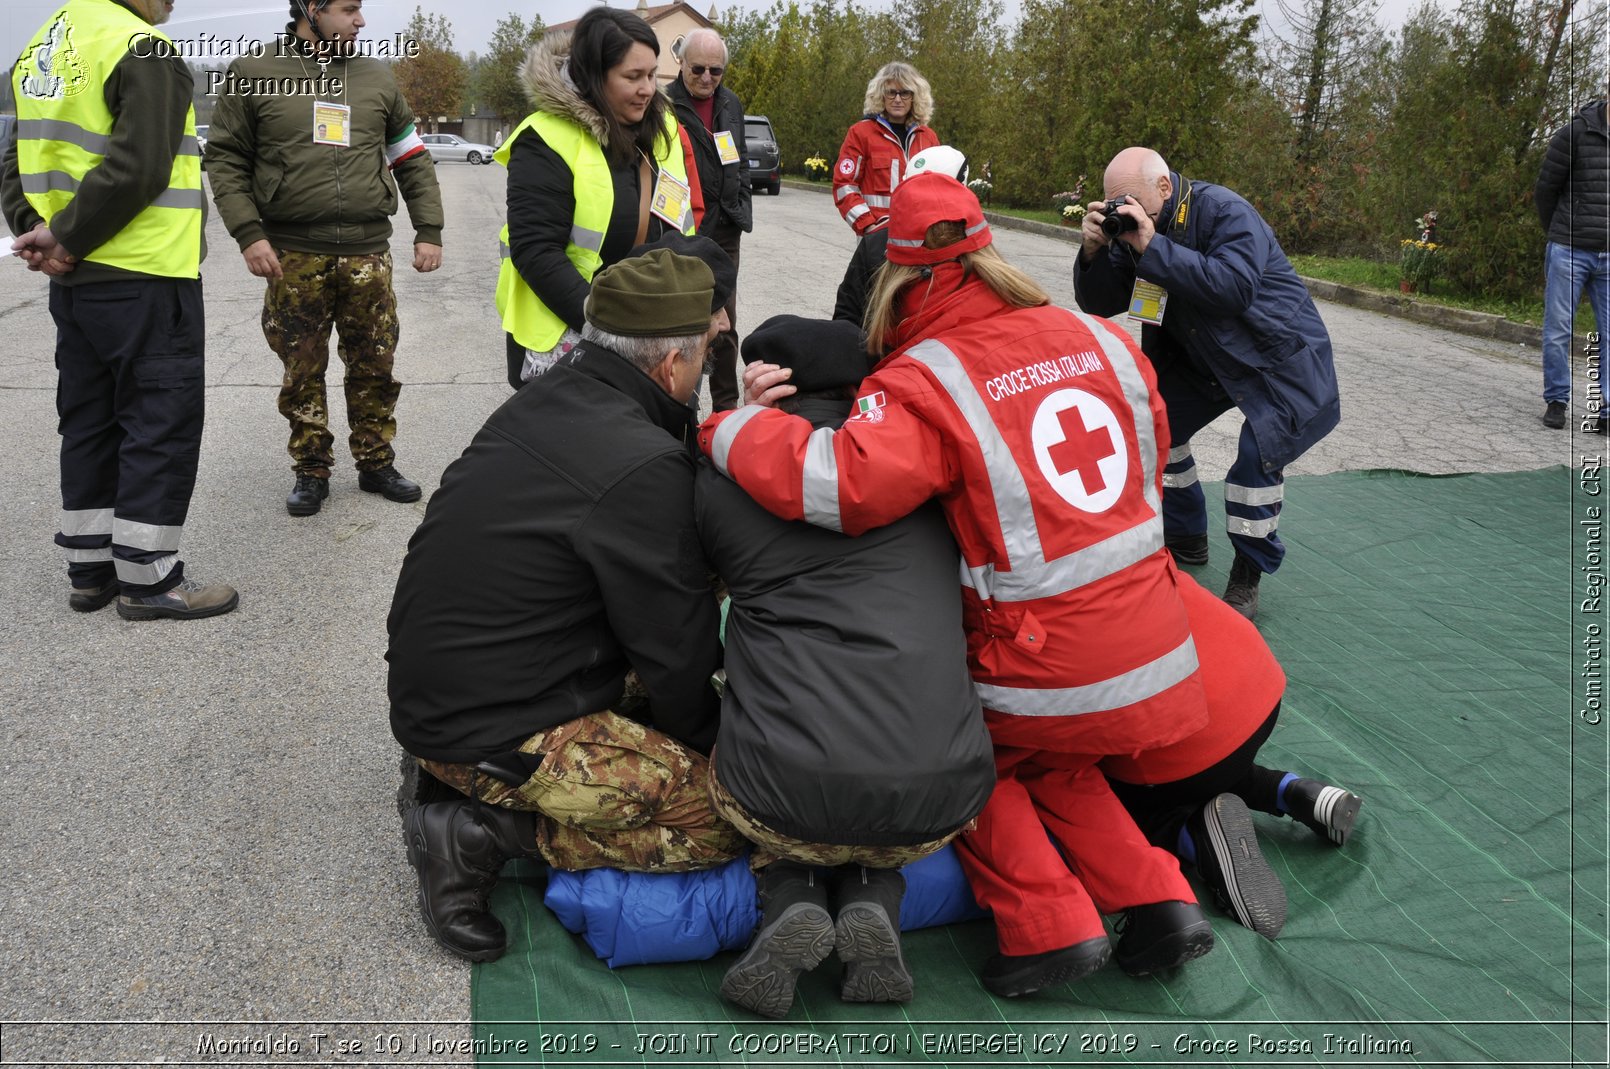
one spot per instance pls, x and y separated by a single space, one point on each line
1235 307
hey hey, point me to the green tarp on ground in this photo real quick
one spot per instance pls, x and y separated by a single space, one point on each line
1431 631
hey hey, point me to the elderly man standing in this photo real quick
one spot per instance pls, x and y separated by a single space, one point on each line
103 187
1228 324
559 555
713 118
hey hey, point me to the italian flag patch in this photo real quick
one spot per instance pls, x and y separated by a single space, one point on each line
869 403
405 146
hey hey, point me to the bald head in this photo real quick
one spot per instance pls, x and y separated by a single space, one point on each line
704 54
1140 173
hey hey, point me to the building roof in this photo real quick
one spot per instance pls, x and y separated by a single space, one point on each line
650 13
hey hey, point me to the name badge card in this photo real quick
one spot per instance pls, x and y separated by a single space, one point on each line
332 124
671 197
726 147
1147 302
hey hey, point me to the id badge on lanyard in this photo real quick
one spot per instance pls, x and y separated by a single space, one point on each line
1147 302
332 124
726 147
671 196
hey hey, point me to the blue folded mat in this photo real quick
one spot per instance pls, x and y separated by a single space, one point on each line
636 918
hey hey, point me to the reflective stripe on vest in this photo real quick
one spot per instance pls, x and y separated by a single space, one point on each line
524 315
64 129
1126 688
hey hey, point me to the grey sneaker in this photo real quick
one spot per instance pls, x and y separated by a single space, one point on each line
190 600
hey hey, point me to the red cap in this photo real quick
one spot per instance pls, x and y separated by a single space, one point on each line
920 202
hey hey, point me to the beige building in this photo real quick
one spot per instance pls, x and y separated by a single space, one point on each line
672 22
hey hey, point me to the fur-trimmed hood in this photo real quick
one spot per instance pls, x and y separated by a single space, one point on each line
549 88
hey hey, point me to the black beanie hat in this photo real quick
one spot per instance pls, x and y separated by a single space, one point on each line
824 353
656 295
700 248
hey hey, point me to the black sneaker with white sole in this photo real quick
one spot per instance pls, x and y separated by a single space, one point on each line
1233 868
1329 811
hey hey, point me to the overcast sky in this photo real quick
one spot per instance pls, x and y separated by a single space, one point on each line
473 20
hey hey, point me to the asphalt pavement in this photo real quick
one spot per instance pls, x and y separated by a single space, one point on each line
199 819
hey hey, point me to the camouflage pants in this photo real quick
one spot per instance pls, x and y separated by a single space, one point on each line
611 792
353 294
771 845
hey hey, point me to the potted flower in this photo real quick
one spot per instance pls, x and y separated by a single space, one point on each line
982 188
816 169
1418 255
1070 204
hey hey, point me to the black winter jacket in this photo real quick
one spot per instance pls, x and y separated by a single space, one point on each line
728 193
1573 186
559 552
871 252
850 717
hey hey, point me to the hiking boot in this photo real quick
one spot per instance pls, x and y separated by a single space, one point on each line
1227 856
190 600
1241 593
90 598
795 936
1188 549
1011 975
1329 811
388 483
308 495
1554 415
866 934
1162 935
459 848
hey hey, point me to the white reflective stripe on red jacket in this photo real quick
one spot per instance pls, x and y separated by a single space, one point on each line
1135 685
1030 575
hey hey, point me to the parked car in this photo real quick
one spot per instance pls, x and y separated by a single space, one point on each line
452 147
765 163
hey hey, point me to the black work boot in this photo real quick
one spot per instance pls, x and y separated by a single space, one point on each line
1011 975
795 936
1162 935
459 848
389 483
1232 866
1241 594
866 934
307 496
1329 811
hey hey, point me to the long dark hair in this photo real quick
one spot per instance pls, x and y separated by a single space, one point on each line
600 42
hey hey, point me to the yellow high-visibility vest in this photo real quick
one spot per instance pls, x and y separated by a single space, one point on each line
524 315
64 127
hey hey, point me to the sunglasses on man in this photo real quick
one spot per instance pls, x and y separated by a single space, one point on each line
698 70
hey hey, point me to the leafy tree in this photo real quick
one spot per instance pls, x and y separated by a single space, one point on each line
498 86
435 81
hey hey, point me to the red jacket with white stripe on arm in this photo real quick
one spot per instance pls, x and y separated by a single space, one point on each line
871 162
1042 433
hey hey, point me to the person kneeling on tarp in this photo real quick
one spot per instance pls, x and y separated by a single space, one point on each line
1192 797
851 739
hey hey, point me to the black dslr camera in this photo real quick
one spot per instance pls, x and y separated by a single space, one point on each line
1114 224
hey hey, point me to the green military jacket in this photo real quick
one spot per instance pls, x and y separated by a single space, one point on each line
272 179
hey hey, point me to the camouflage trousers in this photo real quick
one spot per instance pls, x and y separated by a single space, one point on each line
611 792
772 845
352 294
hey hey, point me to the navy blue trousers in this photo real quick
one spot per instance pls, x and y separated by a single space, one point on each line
129 402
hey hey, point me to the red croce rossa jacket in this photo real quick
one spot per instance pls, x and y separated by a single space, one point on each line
871 163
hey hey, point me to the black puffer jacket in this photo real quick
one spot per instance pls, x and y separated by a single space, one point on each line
728 194
1573 188
559 551
850 717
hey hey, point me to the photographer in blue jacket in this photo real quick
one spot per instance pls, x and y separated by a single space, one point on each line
1227 323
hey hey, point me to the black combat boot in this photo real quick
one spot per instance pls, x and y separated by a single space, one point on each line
307 496
1241 593
389 483
1013 975
795 936
866 934
1188 549
459 848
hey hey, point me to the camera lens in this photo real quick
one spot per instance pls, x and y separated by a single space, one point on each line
1113 224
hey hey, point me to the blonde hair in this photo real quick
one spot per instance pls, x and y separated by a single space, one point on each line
1004 280
905 76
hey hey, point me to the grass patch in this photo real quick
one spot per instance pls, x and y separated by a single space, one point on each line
1375 275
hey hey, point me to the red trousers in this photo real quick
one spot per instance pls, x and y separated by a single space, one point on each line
1040 901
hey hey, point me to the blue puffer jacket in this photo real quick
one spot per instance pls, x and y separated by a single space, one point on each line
635 918
1235 307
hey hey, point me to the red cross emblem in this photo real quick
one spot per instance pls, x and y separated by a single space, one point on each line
1080 446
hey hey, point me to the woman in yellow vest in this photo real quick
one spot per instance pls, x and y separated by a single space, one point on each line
596 169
